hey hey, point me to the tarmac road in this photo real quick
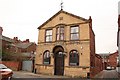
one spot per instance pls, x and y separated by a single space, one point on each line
107 74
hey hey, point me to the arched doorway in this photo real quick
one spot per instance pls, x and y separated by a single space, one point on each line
58 60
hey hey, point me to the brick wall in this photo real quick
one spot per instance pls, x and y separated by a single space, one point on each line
14 65
92 50
32 47
112 59
98 67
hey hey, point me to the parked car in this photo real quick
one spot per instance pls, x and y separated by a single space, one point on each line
109 68
5 72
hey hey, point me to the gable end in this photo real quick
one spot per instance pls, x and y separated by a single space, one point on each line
61 11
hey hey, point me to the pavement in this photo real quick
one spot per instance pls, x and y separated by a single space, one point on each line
25 74
103 74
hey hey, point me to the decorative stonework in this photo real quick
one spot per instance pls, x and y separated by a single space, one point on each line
60 18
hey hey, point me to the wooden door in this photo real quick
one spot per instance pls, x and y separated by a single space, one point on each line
59 64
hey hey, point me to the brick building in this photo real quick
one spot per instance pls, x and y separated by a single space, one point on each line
4 41
110 60
16 46
66 46
104 60
23 46
98 64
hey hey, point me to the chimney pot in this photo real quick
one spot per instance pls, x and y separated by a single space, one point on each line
27 40
90 21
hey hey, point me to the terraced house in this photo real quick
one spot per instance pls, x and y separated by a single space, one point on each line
66 46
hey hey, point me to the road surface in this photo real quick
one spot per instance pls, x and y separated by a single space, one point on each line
107 74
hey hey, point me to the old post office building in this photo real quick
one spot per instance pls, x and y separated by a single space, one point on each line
66 46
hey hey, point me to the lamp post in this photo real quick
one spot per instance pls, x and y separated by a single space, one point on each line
33 60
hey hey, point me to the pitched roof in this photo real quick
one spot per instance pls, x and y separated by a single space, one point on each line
6 38
61 11
115 53
104 55
24 45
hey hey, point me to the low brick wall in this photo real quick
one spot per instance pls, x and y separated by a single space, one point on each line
14 65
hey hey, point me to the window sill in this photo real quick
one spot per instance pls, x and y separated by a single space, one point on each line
71 66
44 65
49 42
75 40
60 40
77 66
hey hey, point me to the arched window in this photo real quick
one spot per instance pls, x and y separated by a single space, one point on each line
46 57
74 58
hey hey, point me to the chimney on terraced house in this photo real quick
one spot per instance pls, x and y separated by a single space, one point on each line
26 41
16 39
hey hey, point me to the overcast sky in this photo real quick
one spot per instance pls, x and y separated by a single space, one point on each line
21 18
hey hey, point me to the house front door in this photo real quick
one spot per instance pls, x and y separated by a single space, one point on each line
59 64
59 61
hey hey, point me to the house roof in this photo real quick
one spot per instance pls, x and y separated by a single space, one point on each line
6 39
97 55
61 11
104 54
115 53
24 45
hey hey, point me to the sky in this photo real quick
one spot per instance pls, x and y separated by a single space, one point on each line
21 18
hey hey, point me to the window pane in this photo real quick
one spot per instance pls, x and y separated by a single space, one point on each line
46 62
74 51
74 36
50 38
57 37
58 30
47 54
44 55
62 30
47 38
60 33
49 32
74 29
62 37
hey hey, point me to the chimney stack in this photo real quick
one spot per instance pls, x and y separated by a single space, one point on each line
26 41
1 30
16 39
90 21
